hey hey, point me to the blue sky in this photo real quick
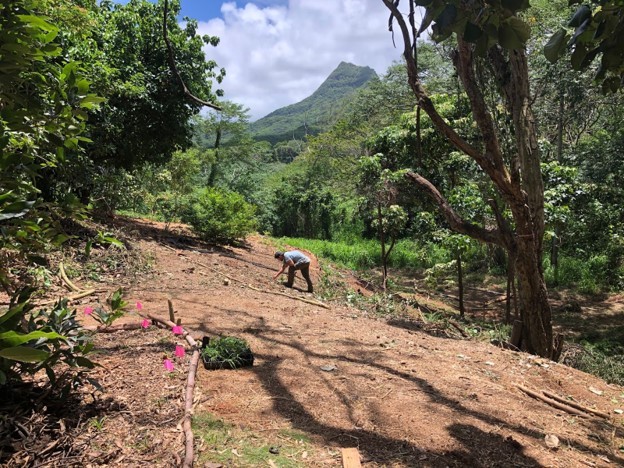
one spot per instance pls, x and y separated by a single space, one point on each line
277 52
204 10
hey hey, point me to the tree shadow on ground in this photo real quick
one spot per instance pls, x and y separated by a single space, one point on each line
478 446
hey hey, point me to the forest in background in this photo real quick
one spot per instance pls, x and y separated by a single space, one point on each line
95 122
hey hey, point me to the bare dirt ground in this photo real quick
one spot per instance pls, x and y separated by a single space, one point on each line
401 392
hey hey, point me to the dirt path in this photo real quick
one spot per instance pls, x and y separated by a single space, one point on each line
336 376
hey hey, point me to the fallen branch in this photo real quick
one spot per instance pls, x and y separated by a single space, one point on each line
64 277
174 68
576 405
459 329
190 388
73 297
114 328
564 407
188 410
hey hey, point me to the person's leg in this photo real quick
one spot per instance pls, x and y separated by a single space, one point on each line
291 277
305 272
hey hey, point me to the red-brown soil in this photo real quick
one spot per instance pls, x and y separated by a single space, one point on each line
400 392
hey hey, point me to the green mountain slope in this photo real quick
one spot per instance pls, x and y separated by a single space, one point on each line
317 111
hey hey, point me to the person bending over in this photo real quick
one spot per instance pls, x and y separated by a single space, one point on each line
294 260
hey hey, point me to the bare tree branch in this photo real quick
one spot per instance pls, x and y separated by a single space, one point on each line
174 68
423 99
463 60
456 222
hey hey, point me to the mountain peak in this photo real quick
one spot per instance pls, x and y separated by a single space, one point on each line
316 112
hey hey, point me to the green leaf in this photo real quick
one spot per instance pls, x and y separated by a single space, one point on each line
24 354
18 310
12 338
60 239
447 17
555 46
513 33
84 362
15 210
38 22
91 101
578 56
581 14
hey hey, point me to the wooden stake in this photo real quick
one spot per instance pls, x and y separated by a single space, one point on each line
171 311
351 458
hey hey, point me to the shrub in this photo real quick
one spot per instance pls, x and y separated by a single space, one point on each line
219 215
31 341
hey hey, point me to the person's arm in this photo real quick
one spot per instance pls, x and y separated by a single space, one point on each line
287 263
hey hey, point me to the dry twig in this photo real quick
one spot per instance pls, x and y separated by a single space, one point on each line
576 405
64 277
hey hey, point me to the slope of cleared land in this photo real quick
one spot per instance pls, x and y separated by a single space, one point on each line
403 393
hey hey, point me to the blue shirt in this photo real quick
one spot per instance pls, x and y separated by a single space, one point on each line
297 257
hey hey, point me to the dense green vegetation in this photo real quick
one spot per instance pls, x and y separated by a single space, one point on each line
443 160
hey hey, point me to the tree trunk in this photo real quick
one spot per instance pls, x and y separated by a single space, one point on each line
554 252
535 312
383 248
510 288
460 283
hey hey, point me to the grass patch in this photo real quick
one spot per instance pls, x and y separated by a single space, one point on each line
359 254
225 443
603 358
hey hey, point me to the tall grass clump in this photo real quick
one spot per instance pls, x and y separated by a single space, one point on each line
359 254
588 276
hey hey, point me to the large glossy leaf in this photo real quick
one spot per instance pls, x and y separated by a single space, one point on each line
12 338
11 313
556 45
581 14
513 33
15 210
24 354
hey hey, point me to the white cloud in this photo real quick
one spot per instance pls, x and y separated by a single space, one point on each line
278 55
